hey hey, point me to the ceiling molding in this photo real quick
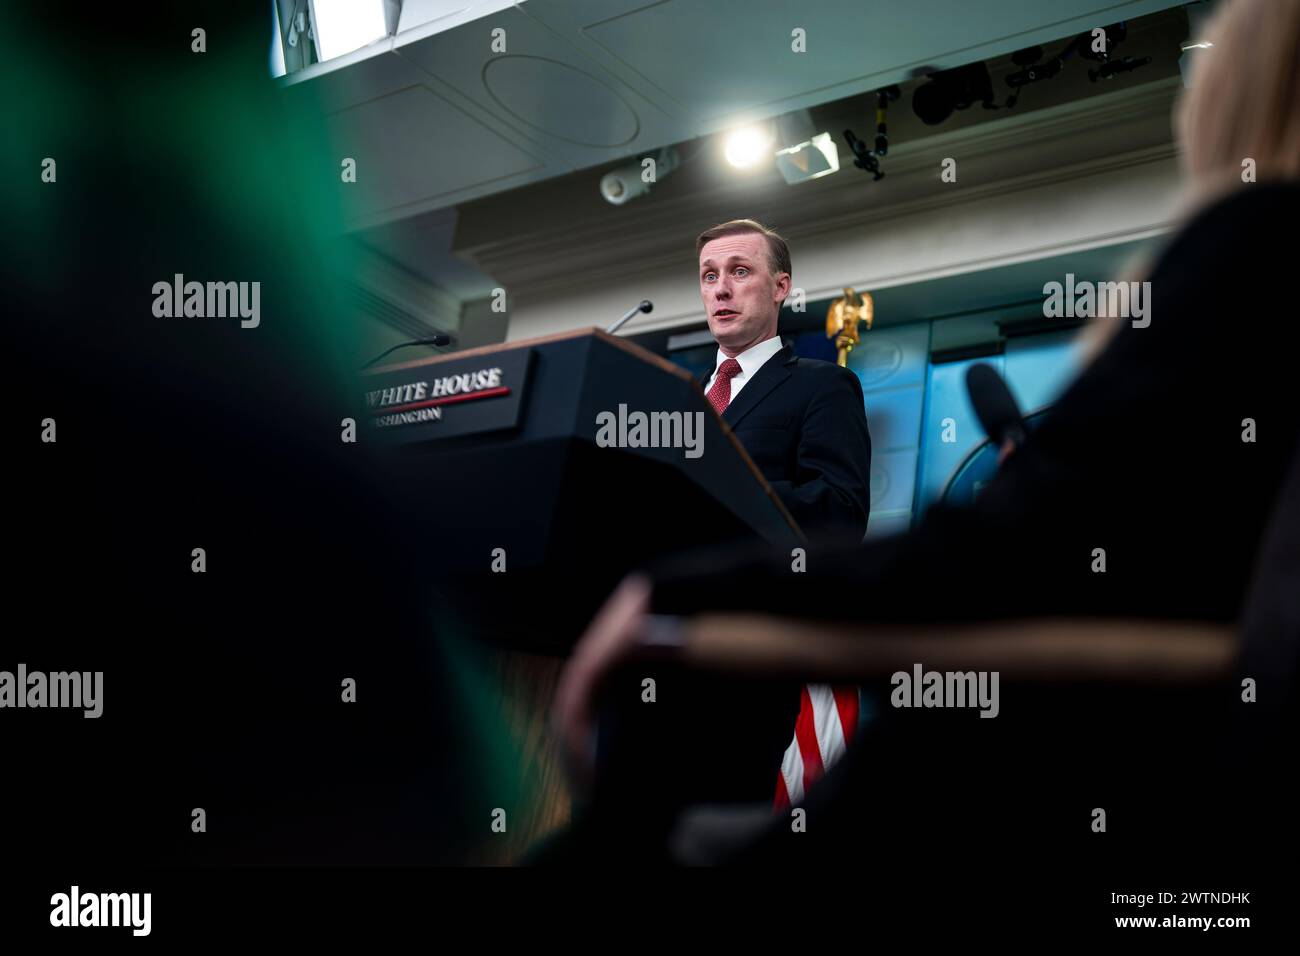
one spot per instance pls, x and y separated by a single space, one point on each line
1105 133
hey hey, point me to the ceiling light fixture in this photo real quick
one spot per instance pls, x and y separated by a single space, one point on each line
748 146
810 160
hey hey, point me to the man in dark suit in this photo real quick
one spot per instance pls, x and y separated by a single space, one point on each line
804 424
802 421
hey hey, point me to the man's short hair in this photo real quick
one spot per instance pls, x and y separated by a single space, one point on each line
778 253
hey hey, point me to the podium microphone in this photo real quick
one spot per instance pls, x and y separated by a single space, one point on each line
645 306
995 406
439 340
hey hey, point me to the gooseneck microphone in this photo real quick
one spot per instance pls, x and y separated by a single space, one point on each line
442 338
645 306
995 406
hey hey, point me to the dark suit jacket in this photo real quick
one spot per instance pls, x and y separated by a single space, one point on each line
804 423
708 739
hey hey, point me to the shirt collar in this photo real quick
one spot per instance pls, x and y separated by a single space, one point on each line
754 357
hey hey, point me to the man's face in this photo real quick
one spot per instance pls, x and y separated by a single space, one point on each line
742 297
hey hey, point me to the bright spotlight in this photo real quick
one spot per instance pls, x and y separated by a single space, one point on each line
748 146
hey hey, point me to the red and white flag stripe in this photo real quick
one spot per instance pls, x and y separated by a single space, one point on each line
828 718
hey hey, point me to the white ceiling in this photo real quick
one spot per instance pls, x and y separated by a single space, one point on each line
434 117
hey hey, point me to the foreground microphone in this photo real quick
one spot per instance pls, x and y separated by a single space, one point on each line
995 406
442 338
645 306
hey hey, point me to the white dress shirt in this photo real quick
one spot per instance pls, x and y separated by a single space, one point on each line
751 360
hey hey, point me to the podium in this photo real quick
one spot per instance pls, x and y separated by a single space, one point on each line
545 470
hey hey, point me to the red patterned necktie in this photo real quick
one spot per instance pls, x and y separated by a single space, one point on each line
720 394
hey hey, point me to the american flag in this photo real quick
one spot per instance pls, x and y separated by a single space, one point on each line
828 718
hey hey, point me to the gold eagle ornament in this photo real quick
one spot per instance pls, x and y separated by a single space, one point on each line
843 319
